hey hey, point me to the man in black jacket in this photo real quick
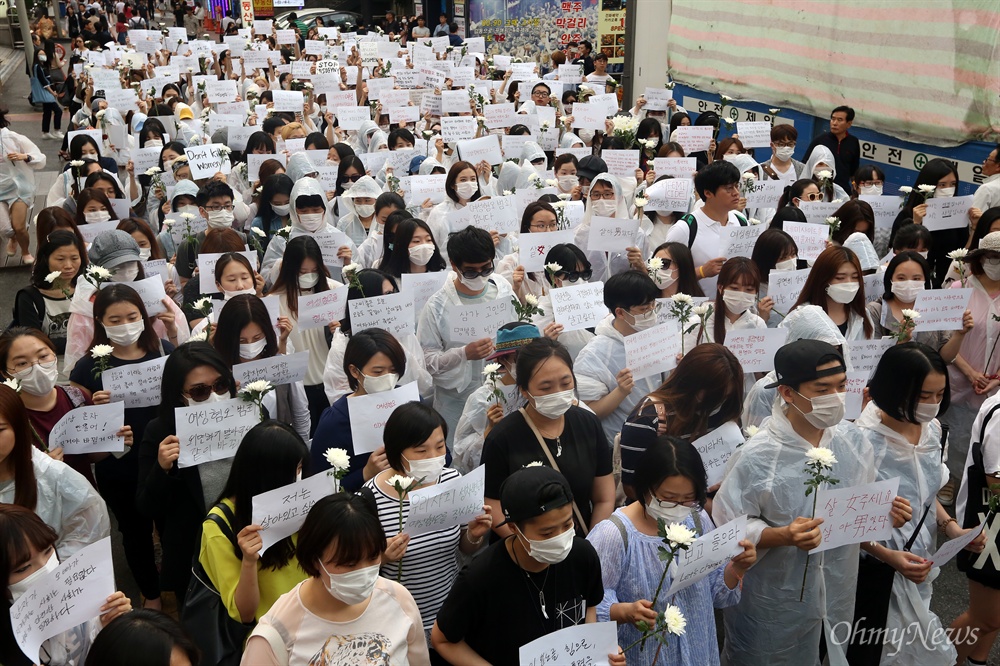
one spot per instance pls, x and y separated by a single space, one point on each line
845 147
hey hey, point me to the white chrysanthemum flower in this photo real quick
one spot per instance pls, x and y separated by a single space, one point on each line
905 189
832 220
53 276
551 182
13 383
199 337
910 314
508 193
338 459
535 463
960 253
754 221
824 175
674 619
682 298
76 163
350 268
822 456
655 264
640 202
701 309
100 351
531 299
202 303
490 368
680 535
749 176
399 481
751 430
553 267
188 216
926 189
259 386
99 272
152 171
258 232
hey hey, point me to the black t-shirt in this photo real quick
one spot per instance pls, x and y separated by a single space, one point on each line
495 609
585 454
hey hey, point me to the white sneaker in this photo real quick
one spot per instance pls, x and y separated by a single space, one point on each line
49 135
59 134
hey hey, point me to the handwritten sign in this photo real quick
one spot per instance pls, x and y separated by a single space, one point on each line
856 514
485 148
206 268
90 429
427 187
213 431
865 354
755 348
136 384
941 309
947 213
580 644
816 212
92 231
677 167
951 548
221 91
536 245
208 160
444 505
692 138
281 512
499 116
765 193
498 214
589 116
611 234
653 351
152 293
421 286
658 99
754 134
352 117
458 128
784 288
621 162
255 160
468 323
68 597
392 312
672 194
370 412
886 208
738 241
281 369
403 114
708 553
716 447
579 306
809 238
288 100
321 308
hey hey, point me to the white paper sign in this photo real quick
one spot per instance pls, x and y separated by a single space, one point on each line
208 160
145 158
281 512
754 134
810 238
678 167
427 187
755 348
886 208
865 354
716 447
952 547
468 323
90 429
206 268
947 213
855 514
281 369
854 400
579 306
611 234
370 412
589 116
404 114
498 214
816 212
444 505
421 286
66 598
392 312
941 309
484 148
738 241
136 384
254 161
784 288
213 431
458 128
669 195
221 91
533 247
658 99
692 138
499 115
352 117
765 193
621 162
288 100
152 293
708 553
321 308
581 644
653 351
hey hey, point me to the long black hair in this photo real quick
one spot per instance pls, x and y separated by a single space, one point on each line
296 252
179 364
398 261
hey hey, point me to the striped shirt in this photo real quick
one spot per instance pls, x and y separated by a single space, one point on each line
430 564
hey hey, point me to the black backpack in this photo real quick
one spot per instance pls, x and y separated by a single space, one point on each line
692 223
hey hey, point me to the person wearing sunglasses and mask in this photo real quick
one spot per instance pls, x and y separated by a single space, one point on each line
179 498
573 268
456 366
606 383
671 483
344 612
540 578
765 479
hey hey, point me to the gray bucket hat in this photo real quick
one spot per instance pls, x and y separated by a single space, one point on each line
113 248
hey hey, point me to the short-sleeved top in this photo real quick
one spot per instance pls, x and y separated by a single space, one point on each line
43 422
582 453
495 608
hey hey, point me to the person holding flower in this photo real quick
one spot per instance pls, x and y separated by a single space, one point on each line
426 564
735 303
821 167
670 483
835 284
782 618
538 217
605 198
565 265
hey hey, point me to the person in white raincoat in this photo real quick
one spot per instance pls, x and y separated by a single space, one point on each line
465 183
605 185
457 367
573 269
765 479
862 246
358 222
19 159
909 390
821 159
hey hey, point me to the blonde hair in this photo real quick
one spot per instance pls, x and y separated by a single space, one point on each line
287 130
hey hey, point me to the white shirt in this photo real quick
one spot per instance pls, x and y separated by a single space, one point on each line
988 194
707 243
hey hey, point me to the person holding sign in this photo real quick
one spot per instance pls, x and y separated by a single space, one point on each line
27 556
422 253
676 273
765 479
357 221
465 183
539 579
179 497
538 217
605 199
835 284
426 564
670 482
573 269
270 456
735 298
909 390
344 612
377 247
273 213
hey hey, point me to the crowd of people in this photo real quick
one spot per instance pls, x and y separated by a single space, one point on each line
266 229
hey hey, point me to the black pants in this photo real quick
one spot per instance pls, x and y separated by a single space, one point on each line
317 403
50 111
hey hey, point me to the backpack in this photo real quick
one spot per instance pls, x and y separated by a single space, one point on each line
692 223
36 299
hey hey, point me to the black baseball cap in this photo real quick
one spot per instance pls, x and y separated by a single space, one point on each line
797 361
520 493
590 167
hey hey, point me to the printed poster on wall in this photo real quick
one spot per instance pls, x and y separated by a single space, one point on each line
611 33
522 28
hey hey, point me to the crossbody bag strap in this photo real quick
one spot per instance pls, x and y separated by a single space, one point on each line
552 463
913 537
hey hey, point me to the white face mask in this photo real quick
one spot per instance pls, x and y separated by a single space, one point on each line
311 222
96 216
550 551
924 253
944 192
124 335
664 278
280 209
926 412
569 281
475 284
144 253
466 190
253 349
308 280
738 302
348 184
153 143
787 265
843 292
553 405
364 210
421 254
784 153
220 219
212 397
827 410
167 164
192 210
352 587
668 514
126 272
567 183
379 384
20 587
907 290
643 321
39 380
604 207
992 268
428 469
872 190
226 295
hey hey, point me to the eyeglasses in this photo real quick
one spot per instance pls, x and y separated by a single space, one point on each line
995 160
606 196
573 276
870 183
731 189
540 93
46 360
473 274
785 144
200 392
216 209
644 309
665 504
544 226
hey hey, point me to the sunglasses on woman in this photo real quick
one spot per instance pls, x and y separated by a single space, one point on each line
200 392
472 275
572 276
